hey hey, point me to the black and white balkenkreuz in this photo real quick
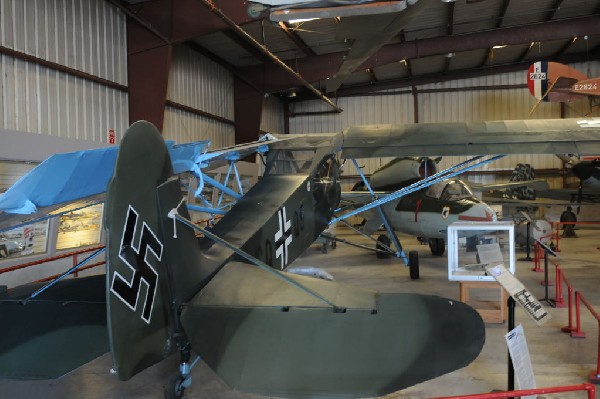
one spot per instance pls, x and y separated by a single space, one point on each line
283 237
138 259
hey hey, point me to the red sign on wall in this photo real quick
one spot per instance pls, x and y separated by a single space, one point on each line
111 136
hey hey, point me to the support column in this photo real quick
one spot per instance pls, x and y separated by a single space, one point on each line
148 68
248 103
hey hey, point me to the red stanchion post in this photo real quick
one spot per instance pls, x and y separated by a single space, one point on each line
558 296
577 333
569 328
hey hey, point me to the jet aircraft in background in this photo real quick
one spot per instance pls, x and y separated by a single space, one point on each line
426 213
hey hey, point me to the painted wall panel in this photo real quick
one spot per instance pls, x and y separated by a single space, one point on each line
185 127
272 116
85 35
200 83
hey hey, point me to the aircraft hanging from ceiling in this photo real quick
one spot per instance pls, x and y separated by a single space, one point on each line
555 82
223 296
380 22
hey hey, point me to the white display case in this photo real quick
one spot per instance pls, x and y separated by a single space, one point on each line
472 246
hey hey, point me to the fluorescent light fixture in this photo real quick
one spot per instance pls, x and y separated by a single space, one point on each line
299 20
499 46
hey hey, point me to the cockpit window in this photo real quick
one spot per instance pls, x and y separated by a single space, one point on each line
449 190
456 190
287 162
435 190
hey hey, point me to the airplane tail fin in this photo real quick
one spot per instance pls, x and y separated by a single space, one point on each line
149 273
522 172
552 81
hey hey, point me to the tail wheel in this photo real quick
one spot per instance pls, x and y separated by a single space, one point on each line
174 388
385 240
437 246
413 265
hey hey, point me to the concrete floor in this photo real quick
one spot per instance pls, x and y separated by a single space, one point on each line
557 358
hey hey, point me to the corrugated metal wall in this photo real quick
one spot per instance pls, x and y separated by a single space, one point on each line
446 106
272 119
197 82
10 172
86 35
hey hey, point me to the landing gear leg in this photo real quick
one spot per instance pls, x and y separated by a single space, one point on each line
180 381
383 251
437 246
413 265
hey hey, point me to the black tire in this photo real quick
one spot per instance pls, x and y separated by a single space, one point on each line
385 240
437 246
173 388
413 265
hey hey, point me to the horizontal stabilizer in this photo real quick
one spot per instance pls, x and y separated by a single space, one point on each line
60 330
262 337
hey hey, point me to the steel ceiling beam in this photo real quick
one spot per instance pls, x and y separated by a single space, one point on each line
276 62
293 36
322 66
178 21
390 84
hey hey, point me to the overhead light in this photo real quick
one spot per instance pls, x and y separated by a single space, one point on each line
499 46
300 20
292 93
350 10
450 55
403 61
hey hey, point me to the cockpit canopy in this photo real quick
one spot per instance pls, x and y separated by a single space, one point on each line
450 190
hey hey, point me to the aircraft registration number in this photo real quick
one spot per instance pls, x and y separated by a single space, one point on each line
585 86
537 76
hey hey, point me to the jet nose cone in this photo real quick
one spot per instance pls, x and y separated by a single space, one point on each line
479 212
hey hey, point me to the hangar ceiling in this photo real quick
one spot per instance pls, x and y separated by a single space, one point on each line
445 40
358 53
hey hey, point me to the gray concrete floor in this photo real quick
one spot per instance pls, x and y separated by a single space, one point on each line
557 358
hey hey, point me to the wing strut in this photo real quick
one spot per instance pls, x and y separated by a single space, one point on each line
444 174
400 252
173 214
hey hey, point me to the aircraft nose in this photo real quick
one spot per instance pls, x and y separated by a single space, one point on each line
479 212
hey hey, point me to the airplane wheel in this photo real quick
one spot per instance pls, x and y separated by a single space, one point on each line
173 388
413 265
437 246
385 240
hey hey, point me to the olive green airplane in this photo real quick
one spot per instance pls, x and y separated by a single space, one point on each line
222 295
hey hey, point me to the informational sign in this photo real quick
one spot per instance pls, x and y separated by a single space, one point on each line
490 254
519 354
520 294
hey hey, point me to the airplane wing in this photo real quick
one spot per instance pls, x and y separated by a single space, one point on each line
70 181
369 34
541 136
536 184
61 329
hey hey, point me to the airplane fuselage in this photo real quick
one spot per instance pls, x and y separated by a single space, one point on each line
424 216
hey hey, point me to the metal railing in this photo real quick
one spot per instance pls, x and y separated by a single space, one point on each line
73 254
589 388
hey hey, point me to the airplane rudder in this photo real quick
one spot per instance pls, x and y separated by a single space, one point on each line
138 290
537 79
